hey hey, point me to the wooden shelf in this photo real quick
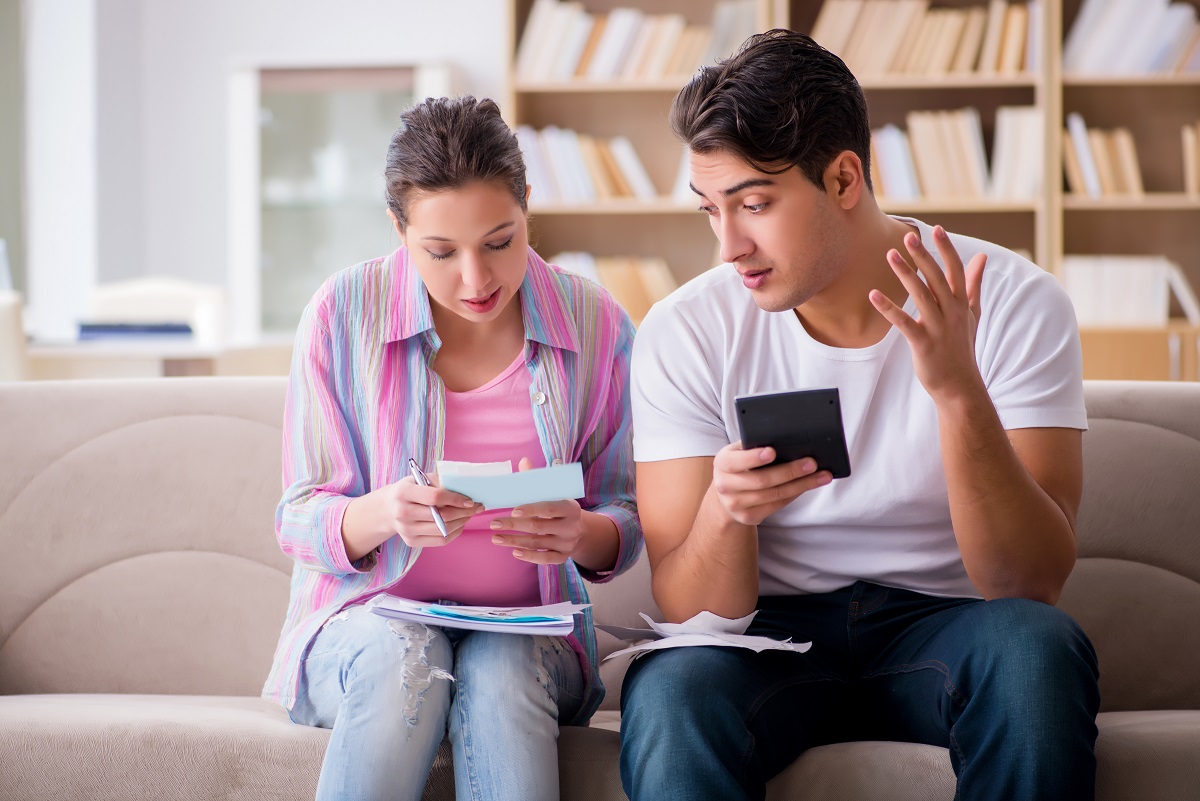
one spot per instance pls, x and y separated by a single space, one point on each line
958 206
630 206
952 81
1151 201
670 85
1153 107
1131 81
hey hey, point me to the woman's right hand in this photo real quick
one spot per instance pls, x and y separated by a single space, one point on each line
403 508
406 508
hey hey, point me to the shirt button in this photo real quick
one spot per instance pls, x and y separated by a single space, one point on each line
557 461
539 398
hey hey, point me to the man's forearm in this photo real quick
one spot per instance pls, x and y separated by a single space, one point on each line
714 569
1016 541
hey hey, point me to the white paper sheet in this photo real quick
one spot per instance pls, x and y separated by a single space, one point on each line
702 629
495 485
551 620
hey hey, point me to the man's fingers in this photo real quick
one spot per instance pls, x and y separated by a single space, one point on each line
974 278
894 314
927 265
777 497
955 277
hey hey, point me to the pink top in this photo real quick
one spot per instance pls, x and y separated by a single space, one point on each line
490 424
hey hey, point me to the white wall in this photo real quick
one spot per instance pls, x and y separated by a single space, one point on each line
60 162
120 238
187 52
127 131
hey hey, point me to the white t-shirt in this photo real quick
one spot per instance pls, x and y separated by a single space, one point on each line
889 521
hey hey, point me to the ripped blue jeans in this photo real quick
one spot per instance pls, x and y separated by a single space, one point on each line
391 690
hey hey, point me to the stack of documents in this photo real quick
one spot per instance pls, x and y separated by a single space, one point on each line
555 620
703 629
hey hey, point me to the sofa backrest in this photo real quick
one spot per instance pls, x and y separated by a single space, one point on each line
137 552
1136 587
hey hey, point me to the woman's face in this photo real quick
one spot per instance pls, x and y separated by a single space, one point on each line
469 246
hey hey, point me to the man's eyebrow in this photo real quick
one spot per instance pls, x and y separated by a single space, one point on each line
499 227
733 190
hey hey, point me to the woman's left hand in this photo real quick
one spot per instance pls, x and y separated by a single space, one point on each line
545 533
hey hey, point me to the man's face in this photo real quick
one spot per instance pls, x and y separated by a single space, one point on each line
779 231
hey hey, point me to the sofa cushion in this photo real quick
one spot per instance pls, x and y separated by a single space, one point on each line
200 747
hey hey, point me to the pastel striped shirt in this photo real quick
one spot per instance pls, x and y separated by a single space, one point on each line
362 399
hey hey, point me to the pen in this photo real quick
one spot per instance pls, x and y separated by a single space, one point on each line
423 480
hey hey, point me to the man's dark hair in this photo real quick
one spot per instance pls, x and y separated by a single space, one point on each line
447 143
780 100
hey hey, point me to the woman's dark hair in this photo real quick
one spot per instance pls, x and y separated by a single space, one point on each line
780 100
447 143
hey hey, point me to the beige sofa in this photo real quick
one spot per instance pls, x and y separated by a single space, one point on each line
141 592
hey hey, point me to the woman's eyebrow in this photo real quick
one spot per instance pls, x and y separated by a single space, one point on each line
499 227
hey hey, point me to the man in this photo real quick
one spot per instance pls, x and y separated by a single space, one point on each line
926 579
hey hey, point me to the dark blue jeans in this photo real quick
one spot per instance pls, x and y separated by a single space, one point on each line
1008 686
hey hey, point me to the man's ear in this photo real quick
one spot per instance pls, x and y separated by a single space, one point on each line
844 179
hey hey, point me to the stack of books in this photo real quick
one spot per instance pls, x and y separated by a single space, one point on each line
908 37
562 42
1100 163
1133 37
567 167
635 283
1127 291
942 155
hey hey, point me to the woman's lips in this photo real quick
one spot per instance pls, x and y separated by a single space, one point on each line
483 305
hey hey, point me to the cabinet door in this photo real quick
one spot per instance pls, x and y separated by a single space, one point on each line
1141 354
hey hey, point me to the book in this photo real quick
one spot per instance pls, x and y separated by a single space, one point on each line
967 54
1106 168
534 37
623 278
1011 58
1182 290
1017 153
670 31
1071 167
1191 159
948 35
657 279
589 47
895 164
989 51
96 330
1127 161
1083 151
1033 37
1179 29
621 187
552 620
835 23
576 35
614 46
631 167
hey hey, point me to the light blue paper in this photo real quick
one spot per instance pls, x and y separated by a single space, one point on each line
555 483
